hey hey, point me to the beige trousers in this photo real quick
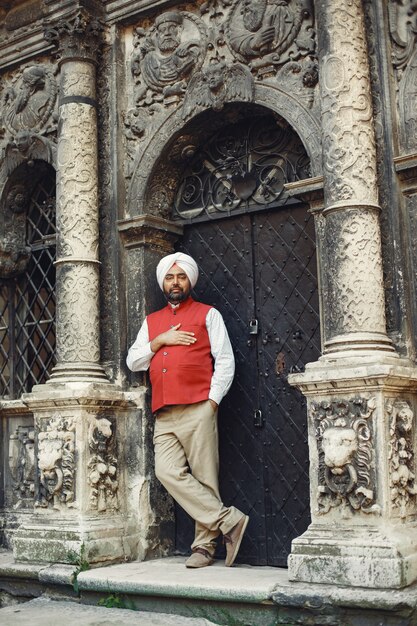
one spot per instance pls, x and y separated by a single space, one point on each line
185 439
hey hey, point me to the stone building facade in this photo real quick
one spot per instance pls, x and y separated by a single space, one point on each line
275 140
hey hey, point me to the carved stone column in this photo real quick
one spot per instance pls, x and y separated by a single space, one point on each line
91 493
361 395
354 311
77 323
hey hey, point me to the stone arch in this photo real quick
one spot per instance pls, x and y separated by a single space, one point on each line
161 162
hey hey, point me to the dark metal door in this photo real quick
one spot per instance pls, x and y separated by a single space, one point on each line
259 270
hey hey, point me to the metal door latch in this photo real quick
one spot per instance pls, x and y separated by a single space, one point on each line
253 327
258 420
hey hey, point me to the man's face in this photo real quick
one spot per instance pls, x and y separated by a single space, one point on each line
168 36
253 14
177 285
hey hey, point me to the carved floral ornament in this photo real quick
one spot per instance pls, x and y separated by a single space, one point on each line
344 438
401 458
203 60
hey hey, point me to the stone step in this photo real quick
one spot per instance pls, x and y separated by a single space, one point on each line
47 612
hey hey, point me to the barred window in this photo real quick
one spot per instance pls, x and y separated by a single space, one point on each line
27 302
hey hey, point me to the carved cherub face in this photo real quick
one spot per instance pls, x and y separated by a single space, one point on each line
167 36
405 418
215 76
339 446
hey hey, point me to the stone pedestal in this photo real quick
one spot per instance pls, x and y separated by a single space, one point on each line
92 489
361 396
362 471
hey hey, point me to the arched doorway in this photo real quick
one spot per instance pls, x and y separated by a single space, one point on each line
256 252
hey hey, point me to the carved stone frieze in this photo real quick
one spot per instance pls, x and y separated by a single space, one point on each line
269 33
103 465
403 484
193 59
28 117
166 55
56 463
343 430
21 463
216 85
28 100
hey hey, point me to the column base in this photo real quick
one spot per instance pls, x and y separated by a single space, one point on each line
355 557
78 372
64 541
362 343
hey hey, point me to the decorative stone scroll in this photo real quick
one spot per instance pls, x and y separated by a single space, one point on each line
343 430
103 465
403 486
56 463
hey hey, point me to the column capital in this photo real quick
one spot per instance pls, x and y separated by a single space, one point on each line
77 36
151 231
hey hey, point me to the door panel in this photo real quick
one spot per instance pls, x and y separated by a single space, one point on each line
262 267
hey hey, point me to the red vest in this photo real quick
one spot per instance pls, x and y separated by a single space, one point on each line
181 374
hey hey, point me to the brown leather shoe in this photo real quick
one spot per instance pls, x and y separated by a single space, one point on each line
199 558
233 540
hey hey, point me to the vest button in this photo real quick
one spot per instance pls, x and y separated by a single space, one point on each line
165 353
164 370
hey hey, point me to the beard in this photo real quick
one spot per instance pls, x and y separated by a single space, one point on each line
177 296
168 45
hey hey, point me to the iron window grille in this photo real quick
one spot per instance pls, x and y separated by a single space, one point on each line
27 302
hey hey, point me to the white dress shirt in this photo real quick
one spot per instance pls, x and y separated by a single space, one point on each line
140 354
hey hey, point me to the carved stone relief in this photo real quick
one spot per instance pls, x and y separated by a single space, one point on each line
402 21
352 241
194 61
56 463
348 135
14 253
28 117
103 465
78 314
343 430
76 183
21 464
269 33
401 458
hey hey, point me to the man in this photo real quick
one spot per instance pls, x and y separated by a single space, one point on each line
191 362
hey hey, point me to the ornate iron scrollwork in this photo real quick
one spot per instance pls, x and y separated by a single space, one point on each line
245 166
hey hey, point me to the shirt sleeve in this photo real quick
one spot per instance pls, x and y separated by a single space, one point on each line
140 354
224 361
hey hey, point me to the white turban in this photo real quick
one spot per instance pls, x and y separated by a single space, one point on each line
184 261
